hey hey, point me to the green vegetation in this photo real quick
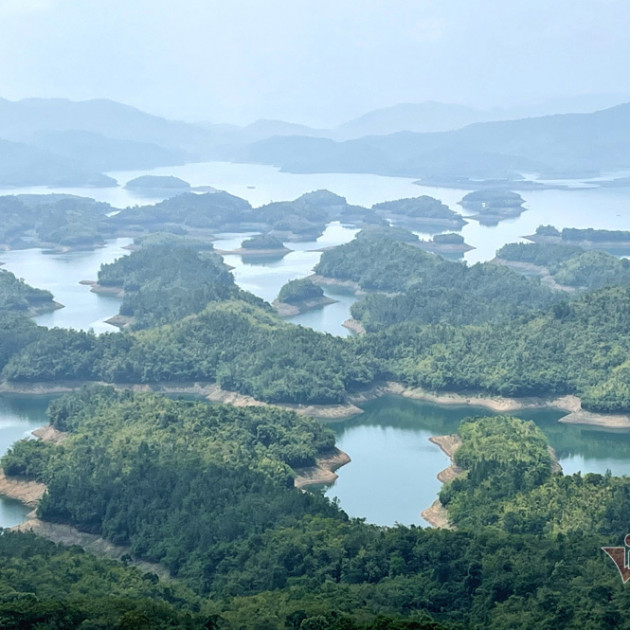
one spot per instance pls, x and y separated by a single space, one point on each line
159 182
580 347
48 587
431 289
615 241
378 260
420 211
448 239
297 291
548 255
509 484
205 489
55 220
492 198
16 295
262 241
163 283
571 266
240 346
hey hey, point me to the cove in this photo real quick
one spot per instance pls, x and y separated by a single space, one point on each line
19 416
392 475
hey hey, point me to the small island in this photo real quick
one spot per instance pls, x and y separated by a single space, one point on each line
447 245
493 205
263 246
422 213
299 296
613 241
158 183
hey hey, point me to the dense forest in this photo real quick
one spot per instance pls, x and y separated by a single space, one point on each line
53 221
206 490
16 295
569 265
164 283
427 288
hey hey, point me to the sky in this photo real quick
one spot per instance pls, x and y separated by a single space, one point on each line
318 62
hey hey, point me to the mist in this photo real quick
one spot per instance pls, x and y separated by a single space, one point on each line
318 63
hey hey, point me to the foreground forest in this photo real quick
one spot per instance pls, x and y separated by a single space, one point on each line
207 491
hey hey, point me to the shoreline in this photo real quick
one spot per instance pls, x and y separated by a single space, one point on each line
284 309
95 287
436 514
335 412
323 472
354 325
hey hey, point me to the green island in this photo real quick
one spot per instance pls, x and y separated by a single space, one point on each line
493 205
613 241
17 296
60 222
150 183
420 213
298 296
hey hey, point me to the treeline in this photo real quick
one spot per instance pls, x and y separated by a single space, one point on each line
50 587
55 220
579 347
429 289
509 483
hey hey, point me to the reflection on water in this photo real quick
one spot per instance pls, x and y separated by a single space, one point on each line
392 476
60 274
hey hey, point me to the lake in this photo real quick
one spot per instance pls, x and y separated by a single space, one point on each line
19 416
60 273
392 475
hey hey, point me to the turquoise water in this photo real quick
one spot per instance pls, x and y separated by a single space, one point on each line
392 476
19 416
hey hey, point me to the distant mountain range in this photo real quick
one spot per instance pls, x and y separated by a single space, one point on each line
568 145
62 142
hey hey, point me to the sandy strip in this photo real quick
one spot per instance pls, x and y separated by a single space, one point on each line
324 470
570 404
354 325
67 535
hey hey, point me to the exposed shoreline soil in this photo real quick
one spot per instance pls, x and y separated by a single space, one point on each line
284 309
354 325
535 270
324 470
437 515
95 287
334 412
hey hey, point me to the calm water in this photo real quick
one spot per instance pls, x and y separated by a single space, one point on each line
19 415
392 476
61 274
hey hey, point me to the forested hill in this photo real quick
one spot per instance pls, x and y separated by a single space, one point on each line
579 347
164 283
428 288
16 295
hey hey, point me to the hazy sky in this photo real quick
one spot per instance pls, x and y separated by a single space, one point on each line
313 61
